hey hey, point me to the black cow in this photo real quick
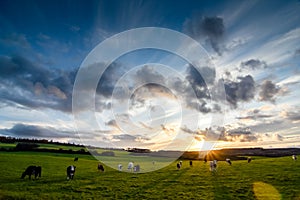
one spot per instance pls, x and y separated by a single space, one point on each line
76 159
191 163
32 170
71 172
100 167
249 159
178 166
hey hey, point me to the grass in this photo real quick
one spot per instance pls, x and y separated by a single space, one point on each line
259 179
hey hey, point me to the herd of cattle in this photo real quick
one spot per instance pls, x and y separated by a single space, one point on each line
36 171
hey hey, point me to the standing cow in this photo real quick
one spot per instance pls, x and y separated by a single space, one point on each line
213 165
178 166
294 157
249 159
32 170
120 167
228 161
100 167
130 166
71 172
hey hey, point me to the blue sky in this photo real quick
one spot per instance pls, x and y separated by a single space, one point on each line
253 47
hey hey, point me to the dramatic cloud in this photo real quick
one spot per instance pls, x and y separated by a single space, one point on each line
28 84
212 28
268 92
255 115
23 130
241 90
293 115
253 64
239 134
197 82
109 78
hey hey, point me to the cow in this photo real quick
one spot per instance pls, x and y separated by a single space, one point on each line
228 161
100 167
71 172
32 170
136 168
180 162
76 159
178 166
120 167
130 166
294 157
213 166
191 163
249 159
205 159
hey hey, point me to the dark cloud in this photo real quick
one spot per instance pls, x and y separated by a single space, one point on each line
268 91
212 28
112 123
148 74
28 84
197 82
199 105
23 130
108 79
241 90
293 115
256 116
253 64
124 137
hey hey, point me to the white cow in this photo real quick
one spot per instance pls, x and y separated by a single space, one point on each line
120 167
213 165
130 166
180 162
294 157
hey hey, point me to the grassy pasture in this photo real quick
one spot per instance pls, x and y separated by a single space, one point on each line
277 178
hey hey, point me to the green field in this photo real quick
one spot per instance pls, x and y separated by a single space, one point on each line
276 178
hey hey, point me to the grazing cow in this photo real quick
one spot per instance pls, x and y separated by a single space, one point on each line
213 165
76 159
228 161
191 163
100 167
178 166
130 166
294 157
136 168
32 170
249 159
71 172
120 167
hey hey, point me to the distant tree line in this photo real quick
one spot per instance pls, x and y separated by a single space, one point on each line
4 139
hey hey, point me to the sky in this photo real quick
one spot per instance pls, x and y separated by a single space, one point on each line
242 90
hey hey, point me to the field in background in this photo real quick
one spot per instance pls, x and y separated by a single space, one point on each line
265 176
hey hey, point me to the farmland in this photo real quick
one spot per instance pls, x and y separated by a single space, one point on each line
265 176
